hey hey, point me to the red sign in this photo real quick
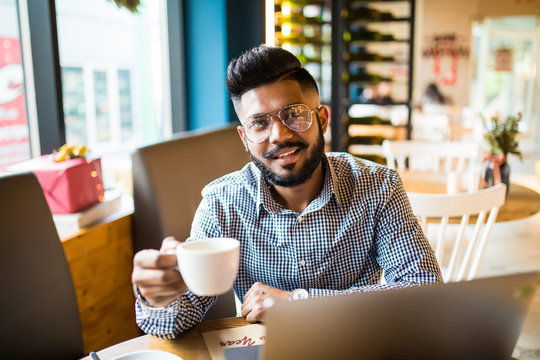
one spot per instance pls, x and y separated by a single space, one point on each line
446 50
14 144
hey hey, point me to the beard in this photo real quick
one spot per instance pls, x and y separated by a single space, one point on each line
304 174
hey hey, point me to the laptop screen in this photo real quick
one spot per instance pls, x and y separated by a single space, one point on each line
478 319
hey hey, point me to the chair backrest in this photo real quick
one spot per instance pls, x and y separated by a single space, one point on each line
468 244
438 156
167 181
41 317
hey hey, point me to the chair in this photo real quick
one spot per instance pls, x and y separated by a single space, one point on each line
435 156
438 156
167 181
438 209
40 315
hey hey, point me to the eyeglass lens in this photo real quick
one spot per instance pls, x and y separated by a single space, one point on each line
295 117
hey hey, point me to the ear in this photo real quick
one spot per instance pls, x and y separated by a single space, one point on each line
324 117
242 136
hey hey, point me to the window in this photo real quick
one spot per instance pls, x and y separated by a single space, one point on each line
124 100
14 134
113 85
74 105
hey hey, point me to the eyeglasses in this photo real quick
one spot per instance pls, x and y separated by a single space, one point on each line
297 117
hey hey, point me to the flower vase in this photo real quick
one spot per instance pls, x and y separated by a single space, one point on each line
491 178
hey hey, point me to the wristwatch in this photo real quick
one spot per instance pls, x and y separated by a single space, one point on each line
298 294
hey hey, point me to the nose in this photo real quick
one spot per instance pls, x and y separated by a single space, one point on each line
279 132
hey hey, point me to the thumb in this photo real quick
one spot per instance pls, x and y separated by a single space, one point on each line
169 245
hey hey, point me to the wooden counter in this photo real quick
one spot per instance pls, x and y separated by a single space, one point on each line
101 260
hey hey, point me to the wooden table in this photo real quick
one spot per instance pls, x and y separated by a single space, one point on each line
189 345
521 202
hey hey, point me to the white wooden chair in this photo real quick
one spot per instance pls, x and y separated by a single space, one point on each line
459 157
441 156
467 250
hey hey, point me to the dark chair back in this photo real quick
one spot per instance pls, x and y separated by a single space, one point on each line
40 316
167 181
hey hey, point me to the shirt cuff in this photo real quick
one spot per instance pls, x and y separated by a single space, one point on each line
153 311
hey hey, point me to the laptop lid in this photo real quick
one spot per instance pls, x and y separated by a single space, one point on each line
478 319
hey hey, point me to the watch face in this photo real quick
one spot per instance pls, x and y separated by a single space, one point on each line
299 294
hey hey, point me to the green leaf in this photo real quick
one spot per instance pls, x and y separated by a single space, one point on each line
501 134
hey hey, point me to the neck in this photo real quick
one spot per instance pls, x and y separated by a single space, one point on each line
297 198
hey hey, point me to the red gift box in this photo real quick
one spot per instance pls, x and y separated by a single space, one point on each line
70 186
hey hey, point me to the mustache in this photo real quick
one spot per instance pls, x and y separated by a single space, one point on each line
272 152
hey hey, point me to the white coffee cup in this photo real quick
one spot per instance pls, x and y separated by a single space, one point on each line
209 266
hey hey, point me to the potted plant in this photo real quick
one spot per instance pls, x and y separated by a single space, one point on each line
131 5
500 136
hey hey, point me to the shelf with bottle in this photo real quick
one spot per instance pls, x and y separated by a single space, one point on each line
364 35
374 1
389 102
365 140
365 120
302 12
363 56
386 131
368 14
363 77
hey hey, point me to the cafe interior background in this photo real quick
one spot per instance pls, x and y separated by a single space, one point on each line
90 72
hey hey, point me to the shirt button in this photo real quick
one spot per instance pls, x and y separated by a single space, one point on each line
300 219
302 262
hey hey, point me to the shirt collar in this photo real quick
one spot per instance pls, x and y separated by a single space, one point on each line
330 189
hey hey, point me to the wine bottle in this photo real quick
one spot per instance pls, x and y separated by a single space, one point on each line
363 34
365 140
365 120
363 77
366 13
366 56
299 39
304 59
299 19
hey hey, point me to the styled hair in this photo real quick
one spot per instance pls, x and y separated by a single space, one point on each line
263 65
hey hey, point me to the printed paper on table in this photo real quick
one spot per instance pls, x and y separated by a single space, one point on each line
219 340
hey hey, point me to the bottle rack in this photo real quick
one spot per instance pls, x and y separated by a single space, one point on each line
304 27
372 56
360 53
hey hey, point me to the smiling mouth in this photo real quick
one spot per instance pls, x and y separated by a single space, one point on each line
287 154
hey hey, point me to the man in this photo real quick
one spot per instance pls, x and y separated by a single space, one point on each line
309 224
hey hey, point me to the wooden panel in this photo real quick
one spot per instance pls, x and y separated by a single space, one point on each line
101 261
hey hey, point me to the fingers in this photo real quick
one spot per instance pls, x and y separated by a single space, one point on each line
169 244
254 314
255 300
155 275
255 290
154 259
150 277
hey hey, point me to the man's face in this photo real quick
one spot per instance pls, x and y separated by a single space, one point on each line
286 158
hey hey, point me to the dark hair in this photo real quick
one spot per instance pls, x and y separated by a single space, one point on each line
263 65
433 95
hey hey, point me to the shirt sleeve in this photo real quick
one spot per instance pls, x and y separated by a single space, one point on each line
402 249
189 309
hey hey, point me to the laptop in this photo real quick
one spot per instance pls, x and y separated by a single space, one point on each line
478 319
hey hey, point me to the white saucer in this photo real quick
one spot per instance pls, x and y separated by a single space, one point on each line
148 355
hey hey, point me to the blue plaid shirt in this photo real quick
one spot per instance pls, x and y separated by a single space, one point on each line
360 224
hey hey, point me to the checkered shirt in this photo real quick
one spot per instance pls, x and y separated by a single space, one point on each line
360 224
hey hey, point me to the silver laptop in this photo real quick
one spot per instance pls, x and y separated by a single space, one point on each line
478 319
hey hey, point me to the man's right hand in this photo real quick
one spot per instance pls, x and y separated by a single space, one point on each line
156 275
